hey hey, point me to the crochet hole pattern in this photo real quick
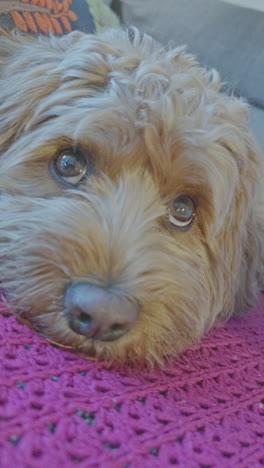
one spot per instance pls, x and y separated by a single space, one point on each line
205 410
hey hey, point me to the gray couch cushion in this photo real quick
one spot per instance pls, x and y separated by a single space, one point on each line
223 36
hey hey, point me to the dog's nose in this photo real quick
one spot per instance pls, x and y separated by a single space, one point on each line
98 313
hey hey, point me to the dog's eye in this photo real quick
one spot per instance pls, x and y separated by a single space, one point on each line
182 212
70 165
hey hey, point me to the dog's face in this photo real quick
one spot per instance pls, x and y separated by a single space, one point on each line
127 195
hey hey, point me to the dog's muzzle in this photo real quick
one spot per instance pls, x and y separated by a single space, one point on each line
97 312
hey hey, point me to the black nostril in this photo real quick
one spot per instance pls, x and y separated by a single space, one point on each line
79 321
84 318
116 327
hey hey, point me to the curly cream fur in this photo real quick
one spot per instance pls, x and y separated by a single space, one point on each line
156 125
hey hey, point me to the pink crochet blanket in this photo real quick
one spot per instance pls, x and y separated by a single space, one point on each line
206 410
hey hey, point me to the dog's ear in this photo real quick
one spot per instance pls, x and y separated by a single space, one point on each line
14 40
239 245
10 43
250 203
28 73
18 49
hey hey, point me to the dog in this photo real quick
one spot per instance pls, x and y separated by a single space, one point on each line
132 195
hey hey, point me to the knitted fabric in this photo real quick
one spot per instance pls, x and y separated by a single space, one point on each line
205 410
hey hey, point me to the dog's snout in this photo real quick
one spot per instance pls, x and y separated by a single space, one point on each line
98 313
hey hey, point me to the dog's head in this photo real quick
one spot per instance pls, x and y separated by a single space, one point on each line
129 219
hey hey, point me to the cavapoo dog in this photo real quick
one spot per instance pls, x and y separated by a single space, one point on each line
132 195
